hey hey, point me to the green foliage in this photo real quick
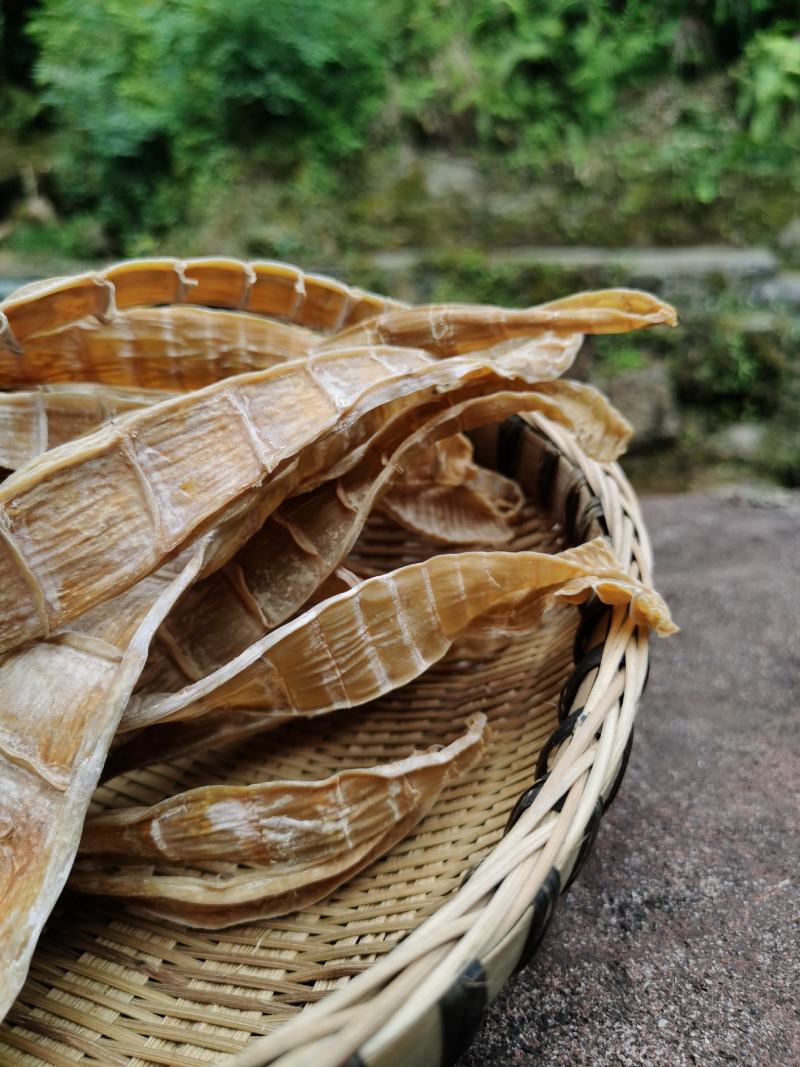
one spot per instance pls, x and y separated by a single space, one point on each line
522 76
529 78
19 107
163 108
769 86
309 131
685 152
735 366
618 358
76 239
149 95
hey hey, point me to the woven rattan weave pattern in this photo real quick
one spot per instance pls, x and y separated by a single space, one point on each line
109 987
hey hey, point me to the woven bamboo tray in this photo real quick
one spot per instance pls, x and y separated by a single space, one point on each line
398 966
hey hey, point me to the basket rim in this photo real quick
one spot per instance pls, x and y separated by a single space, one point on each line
426 998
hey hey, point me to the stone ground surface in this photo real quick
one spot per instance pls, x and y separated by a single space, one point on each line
680 941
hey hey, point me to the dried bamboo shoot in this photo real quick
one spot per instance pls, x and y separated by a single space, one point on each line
127 497
102 534
61 703
389 629
33 422
248 823
173 348
444 496
275 573
276 290
299 840
454 329
90 701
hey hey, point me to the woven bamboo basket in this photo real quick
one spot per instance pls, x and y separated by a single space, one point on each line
397 966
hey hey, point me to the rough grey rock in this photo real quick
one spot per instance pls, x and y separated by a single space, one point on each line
760 495
665 263
679 264
646 398
447 176
789 239
514 206
782 291
693 278
397 260
739 441
751 320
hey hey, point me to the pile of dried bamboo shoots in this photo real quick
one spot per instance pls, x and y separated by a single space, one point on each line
192 450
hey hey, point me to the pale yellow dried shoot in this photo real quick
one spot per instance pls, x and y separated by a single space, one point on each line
389 629
293 842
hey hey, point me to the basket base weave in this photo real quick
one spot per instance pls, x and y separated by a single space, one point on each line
108 986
